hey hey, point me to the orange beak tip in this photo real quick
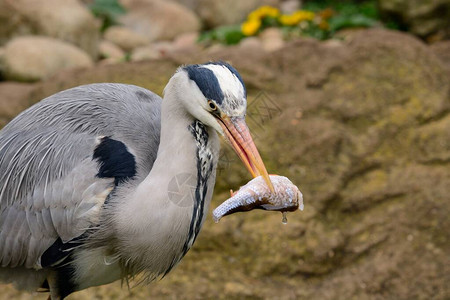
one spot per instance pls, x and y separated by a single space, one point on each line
239 137
269 184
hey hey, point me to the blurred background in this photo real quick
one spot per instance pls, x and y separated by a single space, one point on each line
349 99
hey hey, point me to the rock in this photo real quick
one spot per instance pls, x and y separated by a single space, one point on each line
186 41
236 289
145 53
2 55
442 50
362 127
157 19
191 4
150 74
289 6
31 58
215 48
110 50
272 39
422 18
217 12
125 38
251 43
348 33
14 98
153 51
67 20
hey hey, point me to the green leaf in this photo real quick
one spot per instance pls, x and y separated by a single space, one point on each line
345 21
108 11
107 7
229 35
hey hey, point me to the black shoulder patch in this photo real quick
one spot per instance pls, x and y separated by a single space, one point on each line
206 81
114 160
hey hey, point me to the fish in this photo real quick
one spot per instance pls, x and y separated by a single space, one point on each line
257 195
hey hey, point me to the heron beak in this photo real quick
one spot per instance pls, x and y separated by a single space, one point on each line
238 135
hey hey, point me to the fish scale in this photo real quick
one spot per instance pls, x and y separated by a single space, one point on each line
256 194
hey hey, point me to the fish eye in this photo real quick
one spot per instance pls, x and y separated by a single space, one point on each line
212 105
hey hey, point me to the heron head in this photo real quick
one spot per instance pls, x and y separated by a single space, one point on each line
215 94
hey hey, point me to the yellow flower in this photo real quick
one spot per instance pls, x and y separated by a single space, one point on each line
304 15
264 11
288 20
296 17
250 27
269 11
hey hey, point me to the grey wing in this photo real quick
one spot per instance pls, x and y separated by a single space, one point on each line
50 186
127 113
49 189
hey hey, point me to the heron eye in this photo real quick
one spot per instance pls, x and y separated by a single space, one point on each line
212 105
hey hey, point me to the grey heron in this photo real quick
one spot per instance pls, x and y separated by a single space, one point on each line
84 178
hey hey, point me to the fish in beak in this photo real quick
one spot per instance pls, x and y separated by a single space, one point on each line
238 134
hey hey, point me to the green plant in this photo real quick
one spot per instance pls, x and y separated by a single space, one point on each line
318 18
348 13
107 11
228 35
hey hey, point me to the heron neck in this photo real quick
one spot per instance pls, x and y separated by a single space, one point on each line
175 140
178 157
163 203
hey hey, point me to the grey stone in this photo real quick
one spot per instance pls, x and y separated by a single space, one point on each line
31 58
67 20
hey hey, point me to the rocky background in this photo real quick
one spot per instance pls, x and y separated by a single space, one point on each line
361 123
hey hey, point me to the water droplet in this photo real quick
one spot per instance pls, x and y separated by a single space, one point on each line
284 220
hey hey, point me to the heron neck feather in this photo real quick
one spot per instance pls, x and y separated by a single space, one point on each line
151 213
